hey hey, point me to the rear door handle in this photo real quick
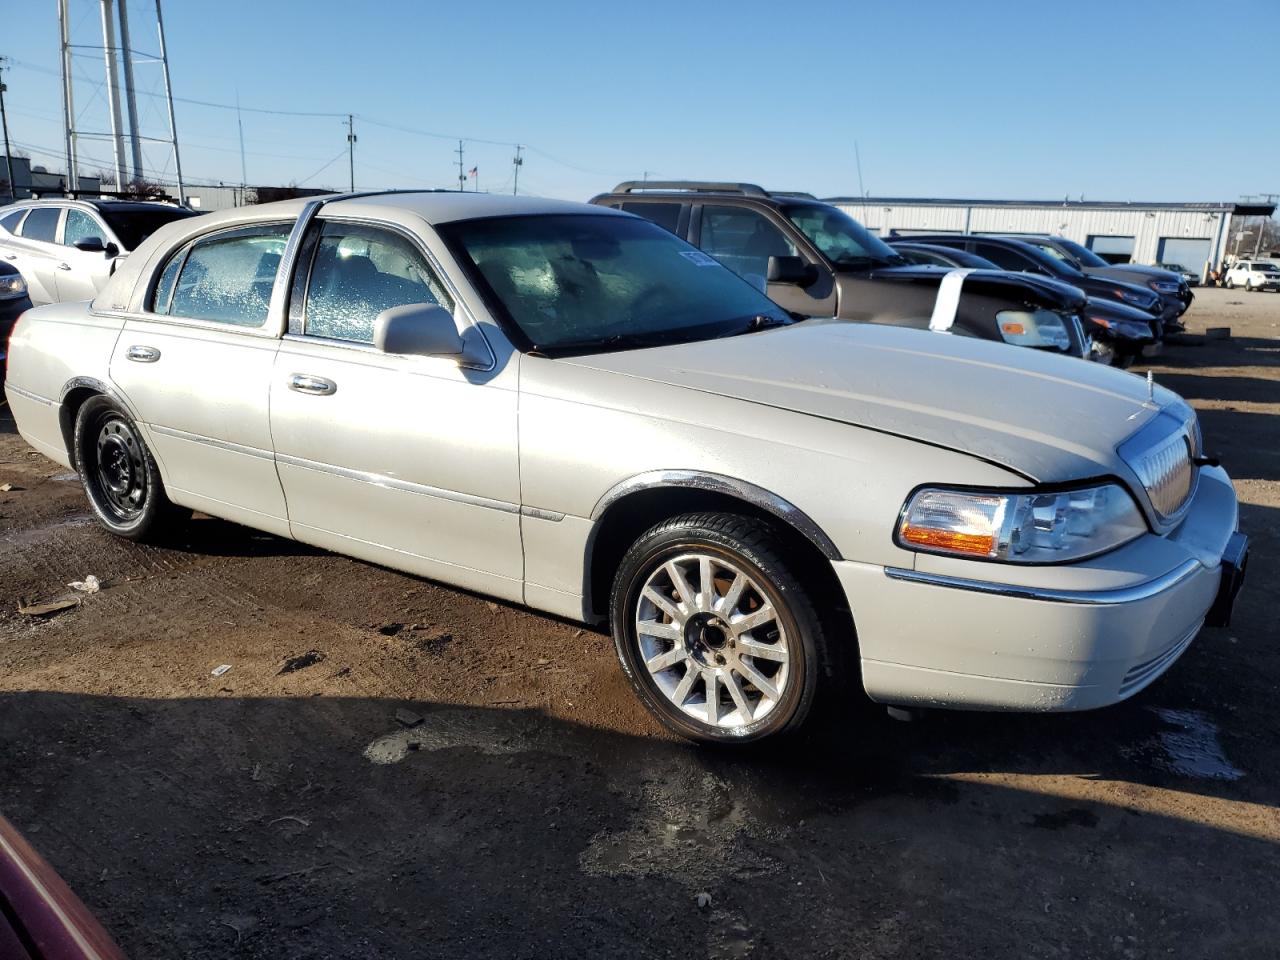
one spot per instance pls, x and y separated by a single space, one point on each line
11 256
141 354
63 266
316 386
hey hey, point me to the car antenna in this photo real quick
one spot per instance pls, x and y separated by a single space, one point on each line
1151 387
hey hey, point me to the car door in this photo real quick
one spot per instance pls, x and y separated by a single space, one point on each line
196 369
408 461
38 252
88 270
744 239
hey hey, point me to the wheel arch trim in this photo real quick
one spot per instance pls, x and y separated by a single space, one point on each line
755 495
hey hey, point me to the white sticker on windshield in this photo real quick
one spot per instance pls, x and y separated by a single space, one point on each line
700 259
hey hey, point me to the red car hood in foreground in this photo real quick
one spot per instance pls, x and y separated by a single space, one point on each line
40 918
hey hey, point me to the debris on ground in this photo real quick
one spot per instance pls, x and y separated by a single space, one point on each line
301 661
8 488
89 584
390 629
704 901
408 718
1218 333
43 608
220 670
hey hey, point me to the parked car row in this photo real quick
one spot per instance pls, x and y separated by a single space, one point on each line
66 248
570 407
1253 275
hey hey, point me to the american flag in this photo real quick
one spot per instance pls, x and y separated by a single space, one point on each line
475 172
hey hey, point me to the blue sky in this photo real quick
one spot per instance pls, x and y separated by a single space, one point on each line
1120 100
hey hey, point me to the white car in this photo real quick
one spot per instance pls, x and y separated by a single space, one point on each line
65 249
569 407
1254 275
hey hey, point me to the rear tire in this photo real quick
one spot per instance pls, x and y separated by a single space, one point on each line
120 475
1230 284
715 629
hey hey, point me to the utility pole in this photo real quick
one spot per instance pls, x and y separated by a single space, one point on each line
462 179
113 91
518 162
351 150
4 122
857 155
130 95
168 95
68 102
244 175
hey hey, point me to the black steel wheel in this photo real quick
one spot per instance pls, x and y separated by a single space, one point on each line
119 474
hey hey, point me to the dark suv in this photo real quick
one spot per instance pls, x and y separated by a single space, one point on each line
813 259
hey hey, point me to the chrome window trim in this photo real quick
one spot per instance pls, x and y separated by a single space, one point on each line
1140 591
278 308
718 483
393 483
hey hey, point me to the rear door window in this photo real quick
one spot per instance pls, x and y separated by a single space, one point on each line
228 277
665 215
743 240
41 224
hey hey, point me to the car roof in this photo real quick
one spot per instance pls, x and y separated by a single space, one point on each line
437 207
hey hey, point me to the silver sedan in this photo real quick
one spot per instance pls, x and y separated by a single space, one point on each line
568 407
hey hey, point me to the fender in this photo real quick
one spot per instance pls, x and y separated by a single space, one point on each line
717 483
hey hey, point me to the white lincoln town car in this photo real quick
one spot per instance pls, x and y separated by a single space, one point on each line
568 407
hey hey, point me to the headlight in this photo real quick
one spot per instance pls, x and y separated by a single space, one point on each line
1165 286
12 287
1143 300
1034 328
1020 527
1128 329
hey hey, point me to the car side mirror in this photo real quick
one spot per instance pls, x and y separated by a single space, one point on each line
91 245
793 270
111 251
417 329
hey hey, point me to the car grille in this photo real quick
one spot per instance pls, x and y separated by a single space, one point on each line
1167 472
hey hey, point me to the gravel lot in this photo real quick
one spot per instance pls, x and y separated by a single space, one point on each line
536 811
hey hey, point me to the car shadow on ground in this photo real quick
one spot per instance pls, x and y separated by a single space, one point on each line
216 826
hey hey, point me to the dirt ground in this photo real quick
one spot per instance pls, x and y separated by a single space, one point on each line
536 810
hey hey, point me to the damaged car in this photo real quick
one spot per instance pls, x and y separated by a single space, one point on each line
568 407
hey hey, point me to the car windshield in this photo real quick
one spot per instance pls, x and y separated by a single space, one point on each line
134 226
1082 254
842 239
582 283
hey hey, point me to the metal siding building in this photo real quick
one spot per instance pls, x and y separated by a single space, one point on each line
1193 234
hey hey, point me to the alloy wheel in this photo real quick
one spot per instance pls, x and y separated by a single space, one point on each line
712 640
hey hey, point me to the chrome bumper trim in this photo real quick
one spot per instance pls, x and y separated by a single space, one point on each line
1140 591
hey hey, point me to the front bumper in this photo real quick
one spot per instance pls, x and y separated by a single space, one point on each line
1073 637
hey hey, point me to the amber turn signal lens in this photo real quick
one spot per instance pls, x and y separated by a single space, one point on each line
1013 328
975 544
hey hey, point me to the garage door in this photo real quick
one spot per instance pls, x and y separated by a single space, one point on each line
1189 252
1112 249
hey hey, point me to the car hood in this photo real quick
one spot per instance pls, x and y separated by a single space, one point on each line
998 283
1046 417
1134 273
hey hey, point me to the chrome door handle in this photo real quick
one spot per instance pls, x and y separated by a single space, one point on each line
317 386
63 266
11 256
140 354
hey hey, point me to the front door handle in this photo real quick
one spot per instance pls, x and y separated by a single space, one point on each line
11 256
141 354
63 266
316 386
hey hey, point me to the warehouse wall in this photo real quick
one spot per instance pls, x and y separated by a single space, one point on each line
1147 226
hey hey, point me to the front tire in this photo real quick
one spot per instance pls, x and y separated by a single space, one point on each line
1230 284
716 632
119 474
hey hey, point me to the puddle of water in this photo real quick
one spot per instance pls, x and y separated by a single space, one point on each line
440 733
69 477
1191 747
41 534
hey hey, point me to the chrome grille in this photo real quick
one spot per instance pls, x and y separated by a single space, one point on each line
1167 472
